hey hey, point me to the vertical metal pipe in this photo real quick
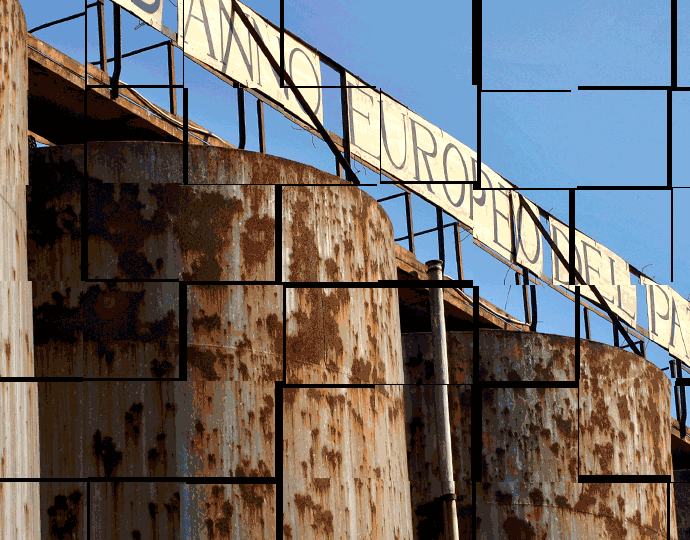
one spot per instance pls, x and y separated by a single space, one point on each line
616 342
260 119
458 249
117 30
410 224
438 329
441 241
240 113
680 397
101 35
345 115
533 298
171 77
525 295
587 332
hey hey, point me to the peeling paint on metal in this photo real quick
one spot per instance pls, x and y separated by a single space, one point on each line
335 234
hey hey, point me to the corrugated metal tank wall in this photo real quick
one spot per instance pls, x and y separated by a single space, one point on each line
144 225
529 467
19 502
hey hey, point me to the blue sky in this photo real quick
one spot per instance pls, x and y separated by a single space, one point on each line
421 55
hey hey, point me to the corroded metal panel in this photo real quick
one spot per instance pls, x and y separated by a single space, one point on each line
230 511
625 406
681 477
144 229
170 231
136 510
572 510
525 356
344 450
107 429
530 438
234 356
345 460
535 426
106 330
54 220
335 234
343 336
63 510
154 229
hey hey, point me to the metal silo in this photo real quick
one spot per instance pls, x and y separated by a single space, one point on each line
529 438
19 501
145 225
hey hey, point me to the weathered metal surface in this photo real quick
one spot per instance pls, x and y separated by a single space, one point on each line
14 147
148 227
343 336
335 234
681 477
106 330
344 451
107 429
150 162
234 357
136 510
63 510
587 511
13 236
530 436
230 511
345 461
19 501
625 403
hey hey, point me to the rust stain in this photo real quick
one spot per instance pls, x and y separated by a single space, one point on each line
257 239
290 396
63 516
105 316
305 260
133 419
322 519
161 369
518 529
287 529
207 322
8 354
105 452
204 361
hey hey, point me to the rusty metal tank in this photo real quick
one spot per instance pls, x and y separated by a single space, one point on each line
144 225
344 456
19 501
529 470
